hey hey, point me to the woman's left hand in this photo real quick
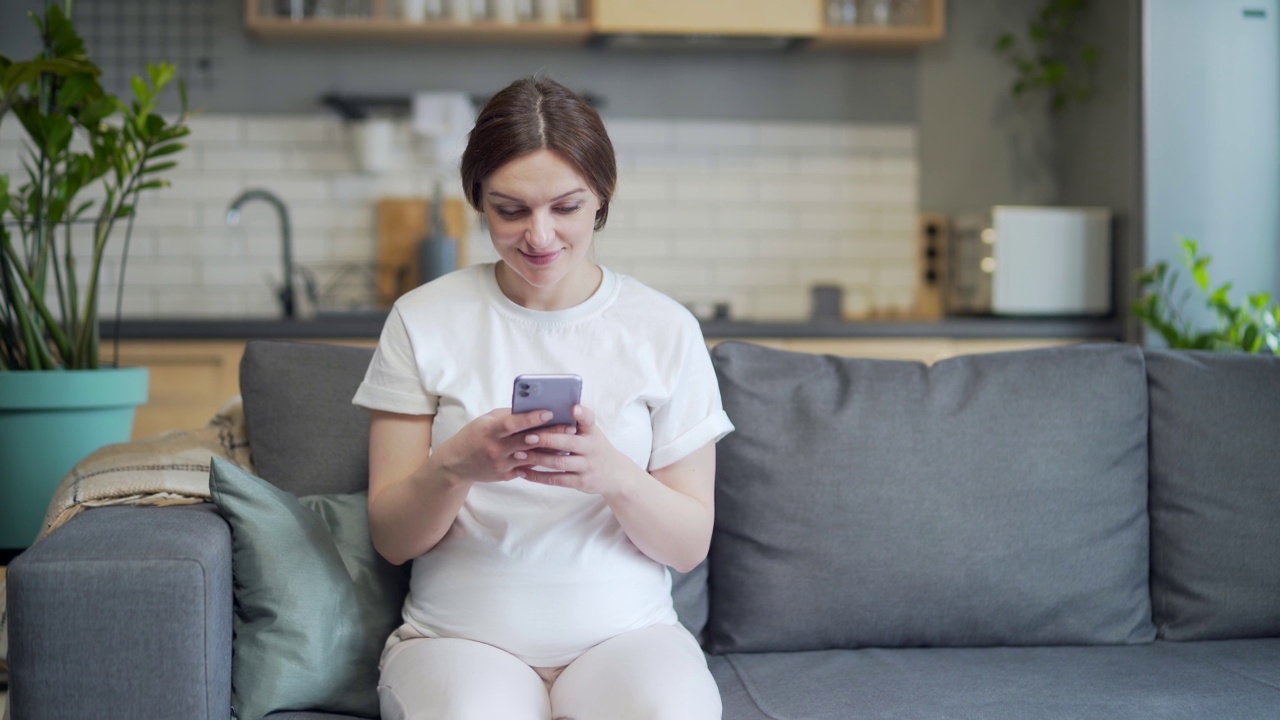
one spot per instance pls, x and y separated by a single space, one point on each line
593 466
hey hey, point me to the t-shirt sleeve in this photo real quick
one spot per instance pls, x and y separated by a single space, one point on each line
692 416
392 382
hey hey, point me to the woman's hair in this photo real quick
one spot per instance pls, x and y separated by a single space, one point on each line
537 113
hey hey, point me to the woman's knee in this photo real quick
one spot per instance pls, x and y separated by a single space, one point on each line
450 679
657 673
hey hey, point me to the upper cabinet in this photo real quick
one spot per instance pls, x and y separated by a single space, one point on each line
817 23
719 17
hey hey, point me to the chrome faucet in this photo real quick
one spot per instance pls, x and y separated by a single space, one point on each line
286 239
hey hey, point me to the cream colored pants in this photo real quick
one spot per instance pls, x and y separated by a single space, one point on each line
656 673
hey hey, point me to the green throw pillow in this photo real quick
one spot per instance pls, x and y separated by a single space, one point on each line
314 602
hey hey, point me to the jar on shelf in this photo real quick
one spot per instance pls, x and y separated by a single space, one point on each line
909 12
875 12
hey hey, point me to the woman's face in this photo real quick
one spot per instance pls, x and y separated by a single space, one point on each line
541 215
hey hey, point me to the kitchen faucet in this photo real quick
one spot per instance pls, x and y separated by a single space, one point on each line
286 238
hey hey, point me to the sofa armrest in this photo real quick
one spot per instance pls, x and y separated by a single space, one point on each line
124 612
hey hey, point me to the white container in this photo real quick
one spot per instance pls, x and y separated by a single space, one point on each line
1051 260
373 144
414 10
504 11
460 11
549 11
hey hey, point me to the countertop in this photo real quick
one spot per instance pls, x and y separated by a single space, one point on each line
370 326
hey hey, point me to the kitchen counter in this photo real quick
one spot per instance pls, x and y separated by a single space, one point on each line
370 326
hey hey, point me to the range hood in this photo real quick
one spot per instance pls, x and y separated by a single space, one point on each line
706 24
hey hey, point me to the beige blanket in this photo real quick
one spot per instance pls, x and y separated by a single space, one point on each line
167 469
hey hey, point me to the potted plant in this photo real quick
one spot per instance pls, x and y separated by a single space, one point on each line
1253 326
88 158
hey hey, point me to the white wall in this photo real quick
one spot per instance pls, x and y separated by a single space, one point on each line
1212 129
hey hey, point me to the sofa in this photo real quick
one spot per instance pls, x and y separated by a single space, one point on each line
1089 531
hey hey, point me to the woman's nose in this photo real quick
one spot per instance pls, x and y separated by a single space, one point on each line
540 232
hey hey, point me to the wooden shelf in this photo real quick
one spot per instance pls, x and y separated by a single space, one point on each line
382 26
576 33
887 36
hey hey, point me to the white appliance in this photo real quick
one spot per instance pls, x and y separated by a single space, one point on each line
1050 260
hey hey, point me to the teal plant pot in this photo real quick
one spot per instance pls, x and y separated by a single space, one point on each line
49 421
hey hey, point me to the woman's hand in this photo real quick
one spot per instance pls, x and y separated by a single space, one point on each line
491 448
593 464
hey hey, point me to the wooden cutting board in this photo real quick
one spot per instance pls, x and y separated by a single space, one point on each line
401 224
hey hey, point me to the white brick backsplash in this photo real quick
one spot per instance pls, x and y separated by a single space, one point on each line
627 246
220 129
873 247
754 274
292 130
337 160
796 135
713 248
843 273
796 248
706 211
879 138
671 272
665 218
788 304
702 135
639 133
882 192
703 189
750 218
642 187
144 272
222 157
766 161
837 165
798 192
846 220
670 161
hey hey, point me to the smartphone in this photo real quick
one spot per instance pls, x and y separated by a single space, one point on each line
557 393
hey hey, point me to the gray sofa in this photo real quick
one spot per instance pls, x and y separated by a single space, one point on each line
1080 532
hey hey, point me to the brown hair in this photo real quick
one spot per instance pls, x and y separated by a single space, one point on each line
540 114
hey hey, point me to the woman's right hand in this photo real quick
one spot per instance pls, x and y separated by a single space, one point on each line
490 448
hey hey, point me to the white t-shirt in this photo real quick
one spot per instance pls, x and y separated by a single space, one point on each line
544 572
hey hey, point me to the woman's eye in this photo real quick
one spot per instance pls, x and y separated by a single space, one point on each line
567 209
509 213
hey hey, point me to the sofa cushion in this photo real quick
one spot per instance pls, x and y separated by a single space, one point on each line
992 499
1215 494
306 436
314 603
1157 681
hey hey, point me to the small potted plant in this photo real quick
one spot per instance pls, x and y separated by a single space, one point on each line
88 158
1253 326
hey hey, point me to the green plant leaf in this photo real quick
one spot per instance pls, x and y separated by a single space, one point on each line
158 167
1200 271
169 149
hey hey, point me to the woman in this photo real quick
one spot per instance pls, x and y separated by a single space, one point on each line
540 586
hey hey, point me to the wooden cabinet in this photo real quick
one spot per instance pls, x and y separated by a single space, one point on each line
722 17
806 19
928 25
